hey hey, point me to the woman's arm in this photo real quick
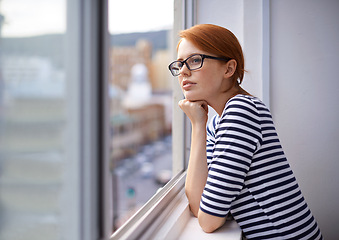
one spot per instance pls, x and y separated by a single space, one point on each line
197 171
210 223
197 167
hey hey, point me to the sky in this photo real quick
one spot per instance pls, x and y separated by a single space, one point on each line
137 15
36 17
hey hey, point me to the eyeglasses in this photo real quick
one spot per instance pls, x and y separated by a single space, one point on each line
193 62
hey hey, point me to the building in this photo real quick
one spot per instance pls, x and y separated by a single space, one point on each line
141 120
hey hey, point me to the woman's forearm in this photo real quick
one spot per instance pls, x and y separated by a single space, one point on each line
197 167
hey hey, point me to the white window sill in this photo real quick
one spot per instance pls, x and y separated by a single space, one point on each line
167 217
186 226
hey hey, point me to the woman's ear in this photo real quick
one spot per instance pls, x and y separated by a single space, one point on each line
231 66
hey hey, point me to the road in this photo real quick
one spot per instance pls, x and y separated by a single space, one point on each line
136 177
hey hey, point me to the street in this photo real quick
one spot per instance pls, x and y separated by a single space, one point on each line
140 176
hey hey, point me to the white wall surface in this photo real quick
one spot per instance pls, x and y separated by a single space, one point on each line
227 13
304 99
303 48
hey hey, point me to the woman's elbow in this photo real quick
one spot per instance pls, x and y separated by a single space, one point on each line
208 228
209 223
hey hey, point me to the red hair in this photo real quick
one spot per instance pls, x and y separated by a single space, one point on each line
218 41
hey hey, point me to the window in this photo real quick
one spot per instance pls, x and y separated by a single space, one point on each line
140 90
34 121
56 169
169 204
52 142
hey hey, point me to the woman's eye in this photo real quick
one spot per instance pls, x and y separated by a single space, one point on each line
195 60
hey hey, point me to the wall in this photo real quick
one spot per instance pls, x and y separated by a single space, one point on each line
304 87
295 43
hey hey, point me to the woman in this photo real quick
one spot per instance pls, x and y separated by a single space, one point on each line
237 166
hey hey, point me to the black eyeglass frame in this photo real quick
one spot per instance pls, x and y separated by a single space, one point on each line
203 56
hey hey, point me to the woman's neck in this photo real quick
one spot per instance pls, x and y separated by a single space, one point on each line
219 104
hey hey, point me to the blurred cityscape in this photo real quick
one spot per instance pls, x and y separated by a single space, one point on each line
140 93
33 115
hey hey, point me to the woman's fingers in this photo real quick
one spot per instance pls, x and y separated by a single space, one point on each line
184 103
196 111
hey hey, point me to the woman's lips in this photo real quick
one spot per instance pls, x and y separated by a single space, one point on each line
186 85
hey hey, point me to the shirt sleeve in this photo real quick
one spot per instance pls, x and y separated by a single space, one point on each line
231 144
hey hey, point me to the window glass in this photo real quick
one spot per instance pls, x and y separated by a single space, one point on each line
34 186
141 102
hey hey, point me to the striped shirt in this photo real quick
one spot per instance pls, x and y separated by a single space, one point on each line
249 176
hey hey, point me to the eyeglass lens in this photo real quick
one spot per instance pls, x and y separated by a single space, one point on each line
193 62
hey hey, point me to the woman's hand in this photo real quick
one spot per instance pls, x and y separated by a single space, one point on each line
196 111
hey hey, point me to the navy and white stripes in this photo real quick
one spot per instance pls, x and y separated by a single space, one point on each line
249 176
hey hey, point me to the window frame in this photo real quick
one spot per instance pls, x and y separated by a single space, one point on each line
143 223
146 222
87 44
